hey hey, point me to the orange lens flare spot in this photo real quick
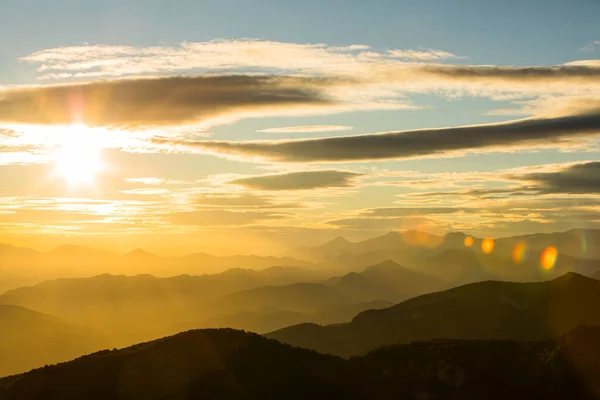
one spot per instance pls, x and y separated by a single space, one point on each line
519 252
421 239
487 245
549 256
468 241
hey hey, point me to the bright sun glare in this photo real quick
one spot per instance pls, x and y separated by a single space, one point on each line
78 159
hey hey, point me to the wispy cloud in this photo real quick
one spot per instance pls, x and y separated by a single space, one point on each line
308 129
299 180
146 180
90 61
592 46
245 201
222 217
421 55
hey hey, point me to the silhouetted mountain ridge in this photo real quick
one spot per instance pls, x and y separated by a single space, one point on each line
227 364
483 310
22 266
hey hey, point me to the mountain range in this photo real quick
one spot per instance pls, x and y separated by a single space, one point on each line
129 309
340 306
21 266
577 243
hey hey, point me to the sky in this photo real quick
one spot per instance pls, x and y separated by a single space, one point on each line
251 127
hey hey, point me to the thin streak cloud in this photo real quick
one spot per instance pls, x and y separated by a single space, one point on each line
304 180
308 129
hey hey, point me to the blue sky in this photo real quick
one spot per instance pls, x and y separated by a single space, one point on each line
532 32
508 36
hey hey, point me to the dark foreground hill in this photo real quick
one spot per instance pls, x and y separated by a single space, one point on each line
211 364
483 310
228 364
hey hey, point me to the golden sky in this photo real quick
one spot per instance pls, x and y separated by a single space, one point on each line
256 145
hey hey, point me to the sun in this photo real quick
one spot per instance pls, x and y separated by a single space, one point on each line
78 159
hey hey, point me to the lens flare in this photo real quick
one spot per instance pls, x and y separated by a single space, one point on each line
468 241
519 252
487 245
421 239
549 256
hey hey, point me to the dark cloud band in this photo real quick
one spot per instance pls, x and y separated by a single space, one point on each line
408 144
157 102
576 179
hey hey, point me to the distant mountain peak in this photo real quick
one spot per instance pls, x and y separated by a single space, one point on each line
141 253
456 234
393 234
571 277
338 244
338 240
387 264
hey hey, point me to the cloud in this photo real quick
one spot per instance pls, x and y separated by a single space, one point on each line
314 58
243 200
101 60
591 46
529 183
221 217
406 211
299 180
585 63
384 73
396 217
146 180
358 62
9 133
536 74
421 55
147 191
308 129
265 78
553 106
403 223
583 178
161 101
532 132
47 216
